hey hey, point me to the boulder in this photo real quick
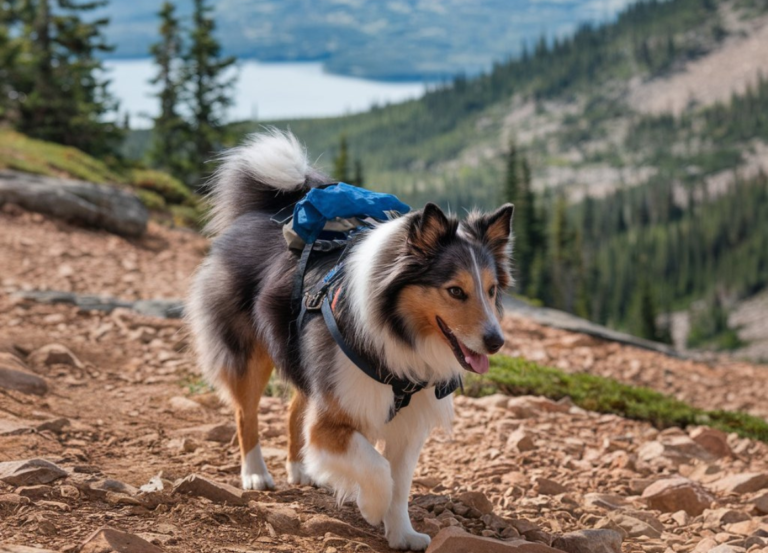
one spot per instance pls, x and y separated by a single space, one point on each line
456 540
215 491
109 540
30 472
105 207
589 541
677 494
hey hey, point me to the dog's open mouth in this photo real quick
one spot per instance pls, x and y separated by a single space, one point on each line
470 360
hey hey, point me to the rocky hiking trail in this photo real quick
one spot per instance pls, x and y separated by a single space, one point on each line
110 442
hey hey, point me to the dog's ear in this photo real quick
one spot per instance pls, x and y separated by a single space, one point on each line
498 225
495 231
429 229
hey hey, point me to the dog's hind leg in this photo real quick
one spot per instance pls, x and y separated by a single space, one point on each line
246 390
294 466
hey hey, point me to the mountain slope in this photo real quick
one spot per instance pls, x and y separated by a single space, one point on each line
406 39
671 191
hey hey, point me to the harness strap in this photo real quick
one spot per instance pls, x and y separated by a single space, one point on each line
402 389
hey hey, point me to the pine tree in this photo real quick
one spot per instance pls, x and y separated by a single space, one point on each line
643 312
65 98
359 179
170 146
8 59
210 81
528 234
566 265
512 178
341 162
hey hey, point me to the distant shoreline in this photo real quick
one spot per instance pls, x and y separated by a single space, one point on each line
427 79
267 90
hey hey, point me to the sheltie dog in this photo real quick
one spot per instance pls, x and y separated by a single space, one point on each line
422 297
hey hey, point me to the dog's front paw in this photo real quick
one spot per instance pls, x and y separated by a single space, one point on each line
374 505
258 481
297 475
412 540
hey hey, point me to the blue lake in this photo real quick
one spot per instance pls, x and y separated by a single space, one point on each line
265 91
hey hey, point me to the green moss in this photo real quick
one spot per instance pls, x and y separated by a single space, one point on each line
22 153
171 189
517 376
151 200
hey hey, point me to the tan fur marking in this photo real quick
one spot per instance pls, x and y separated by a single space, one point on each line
421 305
333 428
246 392
295 426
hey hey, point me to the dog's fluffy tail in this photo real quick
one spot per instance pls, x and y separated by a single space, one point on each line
264 174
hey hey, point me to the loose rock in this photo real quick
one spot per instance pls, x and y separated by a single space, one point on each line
10 548
742 483
714 441
676 494
456 540
520 441
22 381
53 354
545 486
109 540
215 491
589 541
30 472
476 500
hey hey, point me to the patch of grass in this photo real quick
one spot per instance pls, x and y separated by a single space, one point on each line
515 376
151 200
163 184
22 153
161 193
195 385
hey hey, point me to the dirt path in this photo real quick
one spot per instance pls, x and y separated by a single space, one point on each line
127 405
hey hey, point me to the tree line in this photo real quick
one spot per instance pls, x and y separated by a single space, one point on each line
53 83
626 259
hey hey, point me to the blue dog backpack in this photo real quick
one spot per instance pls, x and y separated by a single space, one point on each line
332 213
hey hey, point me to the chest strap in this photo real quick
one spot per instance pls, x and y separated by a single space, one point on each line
402 388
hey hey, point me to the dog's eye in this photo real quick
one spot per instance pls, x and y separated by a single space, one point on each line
492 291
457 293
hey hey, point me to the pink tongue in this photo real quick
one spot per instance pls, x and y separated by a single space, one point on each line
477 361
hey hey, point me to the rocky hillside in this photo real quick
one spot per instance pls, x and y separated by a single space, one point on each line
109 441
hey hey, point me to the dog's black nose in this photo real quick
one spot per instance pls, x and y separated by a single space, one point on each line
493 341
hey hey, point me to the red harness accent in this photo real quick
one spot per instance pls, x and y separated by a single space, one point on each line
336 297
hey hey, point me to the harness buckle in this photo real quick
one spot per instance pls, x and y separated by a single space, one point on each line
313 302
